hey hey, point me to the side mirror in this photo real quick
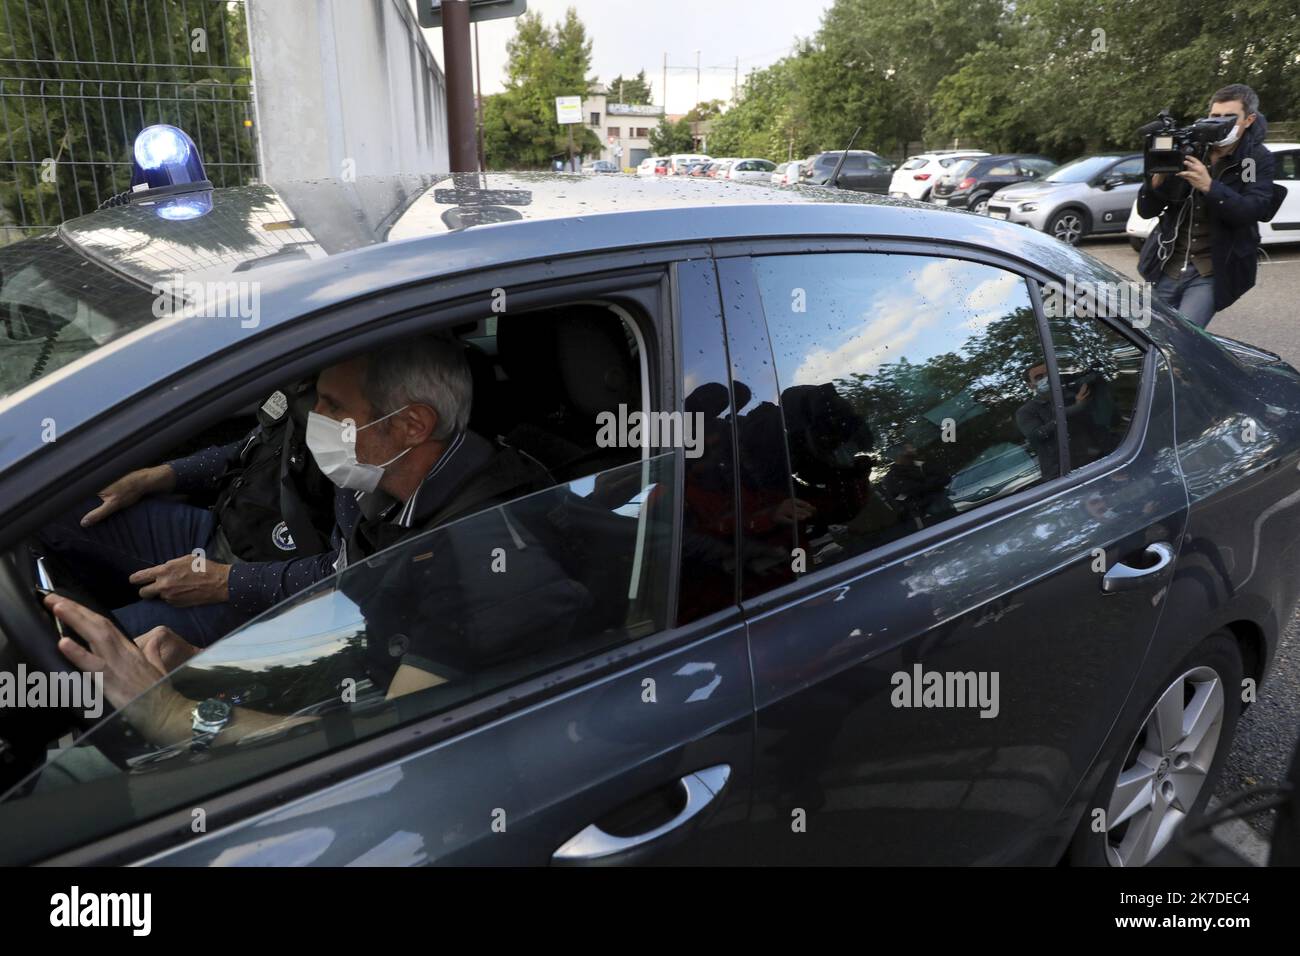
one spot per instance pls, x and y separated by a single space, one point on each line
1110 182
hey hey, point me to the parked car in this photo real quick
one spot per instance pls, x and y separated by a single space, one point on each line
1284 227
923 683
647 166
718 168
678 162
600 166
970 182
786 174
863 171
751 170
1088 196
696 170
917 176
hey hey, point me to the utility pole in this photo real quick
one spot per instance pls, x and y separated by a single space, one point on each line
460 86
664 91
478 85
697 77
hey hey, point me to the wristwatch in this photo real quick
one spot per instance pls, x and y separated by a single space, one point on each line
207 720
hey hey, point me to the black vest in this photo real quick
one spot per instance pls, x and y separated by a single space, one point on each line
274 504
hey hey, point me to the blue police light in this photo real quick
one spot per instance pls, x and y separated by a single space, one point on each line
188 206
166 158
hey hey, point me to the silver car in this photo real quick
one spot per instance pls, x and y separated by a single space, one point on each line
1091 195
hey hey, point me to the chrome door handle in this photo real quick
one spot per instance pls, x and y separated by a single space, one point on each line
1123 577
593 843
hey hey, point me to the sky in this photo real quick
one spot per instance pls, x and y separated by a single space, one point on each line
630 35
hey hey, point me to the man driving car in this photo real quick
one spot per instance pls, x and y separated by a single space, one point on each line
390 430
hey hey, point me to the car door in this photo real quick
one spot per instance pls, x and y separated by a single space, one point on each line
895 454
1285 226
585 733
879 174
1111 204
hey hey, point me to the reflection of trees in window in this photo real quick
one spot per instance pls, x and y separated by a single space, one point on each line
978 386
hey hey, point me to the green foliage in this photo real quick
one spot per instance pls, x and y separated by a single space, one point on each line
85 116
519 126
634 90
1055 76
706 110
668 138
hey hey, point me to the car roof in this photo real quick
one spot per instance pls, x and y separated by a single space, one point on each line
315 245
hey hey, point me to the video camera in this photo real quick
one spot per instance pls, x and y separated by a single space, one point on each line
1167 143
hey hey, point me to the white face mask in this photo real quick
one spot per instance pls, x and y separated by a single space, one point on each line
337 458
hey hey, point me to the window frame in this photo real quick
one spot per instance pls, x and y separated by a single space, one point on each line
996 509
202 395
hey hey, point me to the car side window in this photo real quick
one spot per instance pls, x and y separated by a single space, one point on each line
1101 373
1129 169
431 623
1287 165
1035 167
908 392
1003 169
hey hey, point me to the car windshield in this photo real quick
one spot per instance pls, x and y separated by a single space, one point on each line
57 305
322 670
1079 170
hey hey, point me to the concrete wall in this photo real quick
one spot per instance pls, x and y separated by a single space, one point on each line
345 87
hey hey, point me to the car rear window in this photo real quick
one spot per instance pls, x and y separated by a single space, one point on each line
57 305
915 163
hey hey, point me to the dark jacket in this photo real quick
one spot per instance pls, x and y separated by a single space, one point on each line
1236 208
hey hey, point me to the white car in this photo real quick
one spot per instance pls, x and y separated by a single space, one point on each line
751 170
787 174
1285 226
916 177
678 162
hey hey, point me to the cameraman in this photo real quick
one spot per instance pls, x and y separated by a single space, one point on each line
1202 255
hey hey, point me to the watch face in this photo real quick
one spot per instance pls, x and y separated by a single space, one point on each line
212 711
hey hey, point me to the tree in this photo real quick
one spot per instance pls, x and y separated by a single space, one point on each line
67 150
707 110
668 138
519 126
634 90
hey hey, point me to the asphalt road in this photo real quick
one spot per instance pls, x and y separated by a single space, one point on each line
1266 316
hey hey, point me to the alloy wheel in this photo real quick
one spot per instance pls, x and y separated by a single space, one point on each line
1068 228
1166 768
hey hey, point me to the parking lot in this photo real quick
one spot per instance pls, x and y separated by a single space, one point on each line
1265 316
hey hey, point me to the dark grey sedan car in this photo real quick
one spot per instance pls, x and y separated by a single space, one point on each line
908 564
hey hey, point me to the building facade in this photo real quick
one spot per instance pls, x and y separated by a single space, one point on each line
623 128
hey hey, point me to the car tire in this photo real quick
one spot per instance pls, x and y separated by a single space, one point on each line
1136 243
1069 225
925 196
1154 769
979 203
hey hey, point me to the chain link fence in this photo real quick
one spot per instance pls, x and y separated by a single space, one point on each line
80 78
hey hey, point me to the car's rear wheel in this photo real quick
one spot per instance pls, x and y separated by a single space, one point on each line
980 204
1069 225
1171 761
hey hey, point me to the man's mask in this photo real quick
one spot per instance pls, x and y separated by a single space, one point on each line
337 458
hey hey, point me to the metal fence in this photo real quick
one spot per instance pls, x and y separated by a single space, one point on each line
79 79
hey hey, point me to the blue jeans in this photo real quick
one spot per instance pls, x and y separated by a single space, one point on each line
148 533
1191 293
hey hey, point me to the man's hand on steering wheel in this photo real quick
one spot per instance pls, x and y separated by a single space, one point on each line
128 669
129 489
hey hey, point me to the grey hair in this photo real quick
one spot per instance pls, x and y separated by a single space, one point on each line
1238 91
429 370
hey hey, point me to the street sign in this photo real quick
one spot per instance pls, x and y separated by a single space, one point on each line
430 11
568 109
